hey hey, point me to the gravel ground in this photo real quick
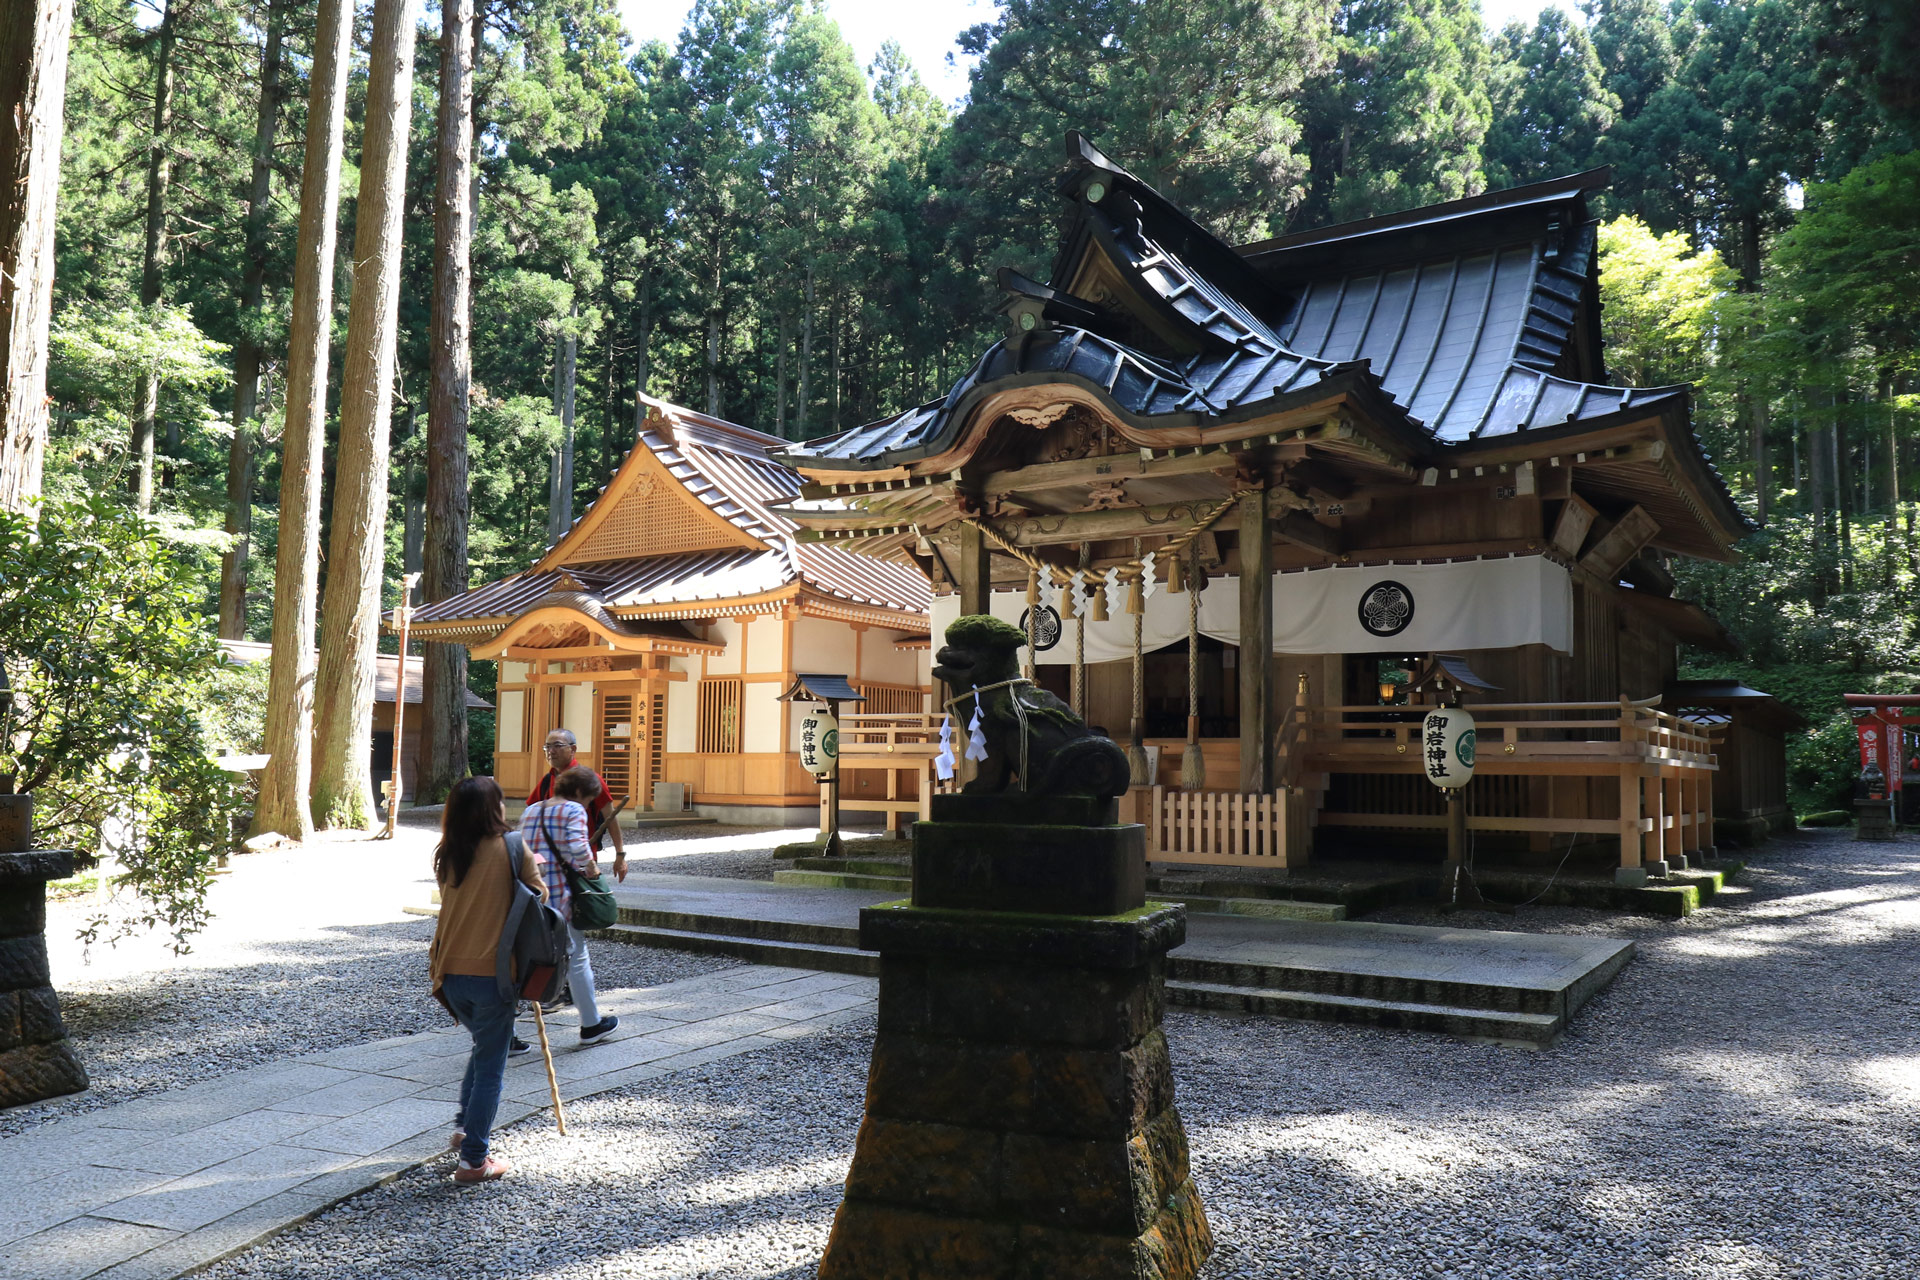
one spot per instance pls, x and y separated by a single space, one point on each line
1740 1104
309 950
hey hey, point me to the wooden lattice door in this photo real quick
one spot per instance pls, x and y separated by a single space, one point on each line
633 743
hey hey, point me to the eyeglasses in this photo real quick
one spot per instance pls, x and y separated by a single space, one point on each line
558 746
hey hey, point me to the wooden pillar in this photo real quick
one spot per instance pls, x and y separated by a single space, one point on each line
976 573
1256 645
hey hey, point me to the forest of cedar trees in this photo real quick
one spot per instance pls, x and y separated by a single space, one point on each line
751 222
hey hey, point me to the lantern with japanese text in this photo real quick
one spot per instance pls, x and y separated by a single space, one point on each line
819 740
1446 747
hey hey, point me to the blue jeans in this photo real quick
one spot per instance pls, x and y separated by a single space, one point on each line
580 980
476 1002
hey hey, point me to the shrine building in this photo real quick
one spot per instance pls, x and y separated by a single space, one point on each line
663 627
1372 455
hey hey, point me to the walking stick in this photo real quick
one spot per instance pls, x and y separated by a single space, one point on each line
546 1051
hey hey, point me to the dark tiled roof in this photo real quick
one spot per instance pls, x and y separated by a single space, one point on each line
1466 345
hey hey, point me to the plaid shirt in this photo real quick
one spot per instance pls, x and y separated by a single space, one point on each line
554 829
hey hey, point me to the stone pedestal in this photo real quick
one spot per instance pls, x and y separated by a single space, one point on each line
1020 1121
1873 820
36 1059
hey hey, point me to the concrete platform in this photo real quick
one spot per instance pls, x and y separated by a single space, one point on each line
1517 988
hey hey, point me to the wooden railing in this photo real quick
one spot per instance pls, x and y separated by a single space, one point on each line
900 749
1620 769
1623 770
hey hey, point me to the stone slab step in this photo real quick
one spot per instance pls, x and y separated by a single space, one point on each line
763 928
900 868
1269 908
1533 1030
844 880
795 955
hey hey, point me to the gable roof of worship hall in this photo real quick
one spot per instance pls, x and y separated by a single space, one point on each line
686 529
1399 350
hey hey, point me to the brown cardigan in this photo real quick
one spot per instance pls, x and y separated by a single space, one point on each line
473 912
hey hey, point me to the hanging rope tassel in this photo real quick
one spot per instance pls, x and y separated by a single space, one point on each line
1137 746
1193 763
1033 622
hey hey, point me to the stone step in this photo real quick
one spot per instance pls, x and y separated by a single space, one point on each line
844 880
855 864
1533 1030
1270 908
794 955
799 933
1387 988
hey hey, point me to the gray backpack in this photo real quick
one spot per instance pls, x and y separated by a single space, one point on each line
534 943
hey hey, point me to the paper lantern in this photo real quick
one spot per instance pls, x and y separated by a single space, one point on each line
1446 747
819 740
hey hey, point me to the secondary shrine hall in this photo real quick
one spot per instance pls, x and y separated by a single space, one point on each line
1252 502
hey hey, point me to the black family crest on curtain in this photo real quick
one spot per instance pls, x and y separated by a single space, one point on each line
1386 609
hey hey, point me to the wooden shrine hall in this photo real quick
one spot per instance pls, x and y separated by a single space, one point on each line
1345 451
663 626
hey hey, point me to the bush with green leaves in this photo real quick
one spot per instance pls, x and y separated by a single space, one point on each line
116 719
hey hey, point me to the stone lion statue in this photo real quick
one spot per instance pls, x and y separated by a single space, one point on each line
979 662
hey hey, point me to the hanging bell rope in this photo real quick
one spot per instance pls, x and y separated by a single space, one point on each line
1137 746
1033 622
1193 764
1080 640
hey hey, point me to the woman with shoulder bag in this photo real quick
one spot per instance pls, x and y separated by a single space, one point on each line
476 863
555 832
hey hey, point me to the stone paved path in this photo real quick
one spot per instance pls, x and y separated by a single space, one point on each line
152 1189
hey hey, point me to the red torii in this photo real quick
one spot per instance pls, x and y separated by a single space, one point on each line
1878 719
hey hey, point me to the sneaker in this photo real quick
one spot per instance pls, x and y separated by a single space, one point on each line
493 1169
559 1002
459 1136
518 1047
598 1031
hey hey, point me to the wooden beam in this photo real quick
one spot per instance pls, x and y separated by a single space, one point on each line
1093 526
975 568
1570 531
1115 466
1303 530
1620 544
1256 644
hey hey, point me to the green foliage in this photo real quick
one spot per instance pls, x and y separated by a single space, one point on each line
99 358
112 666
1551 104
1658 304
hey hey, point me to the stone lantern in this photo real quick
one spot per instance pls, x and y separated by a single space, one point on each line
36 1058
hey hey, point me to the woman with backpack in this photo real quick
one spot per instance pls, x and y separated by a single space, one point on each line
555 832
476 863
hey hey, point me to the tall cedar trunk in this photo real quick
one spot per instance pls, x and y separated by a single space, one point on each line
566 357
159 178
1843 501
1890 489
803 390
833 420
356 552
247 356
33 88
413 530
443 735
288 778
780 377
640 374
713 364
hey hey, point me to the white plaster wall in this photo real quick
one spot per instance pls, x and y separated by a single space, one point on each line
511 720
576 713
725 631
884 664
822 646
763 645
514 672
760 709
683 707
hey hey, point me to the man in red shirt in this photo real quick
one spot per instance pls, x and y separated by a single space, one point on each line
559 748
